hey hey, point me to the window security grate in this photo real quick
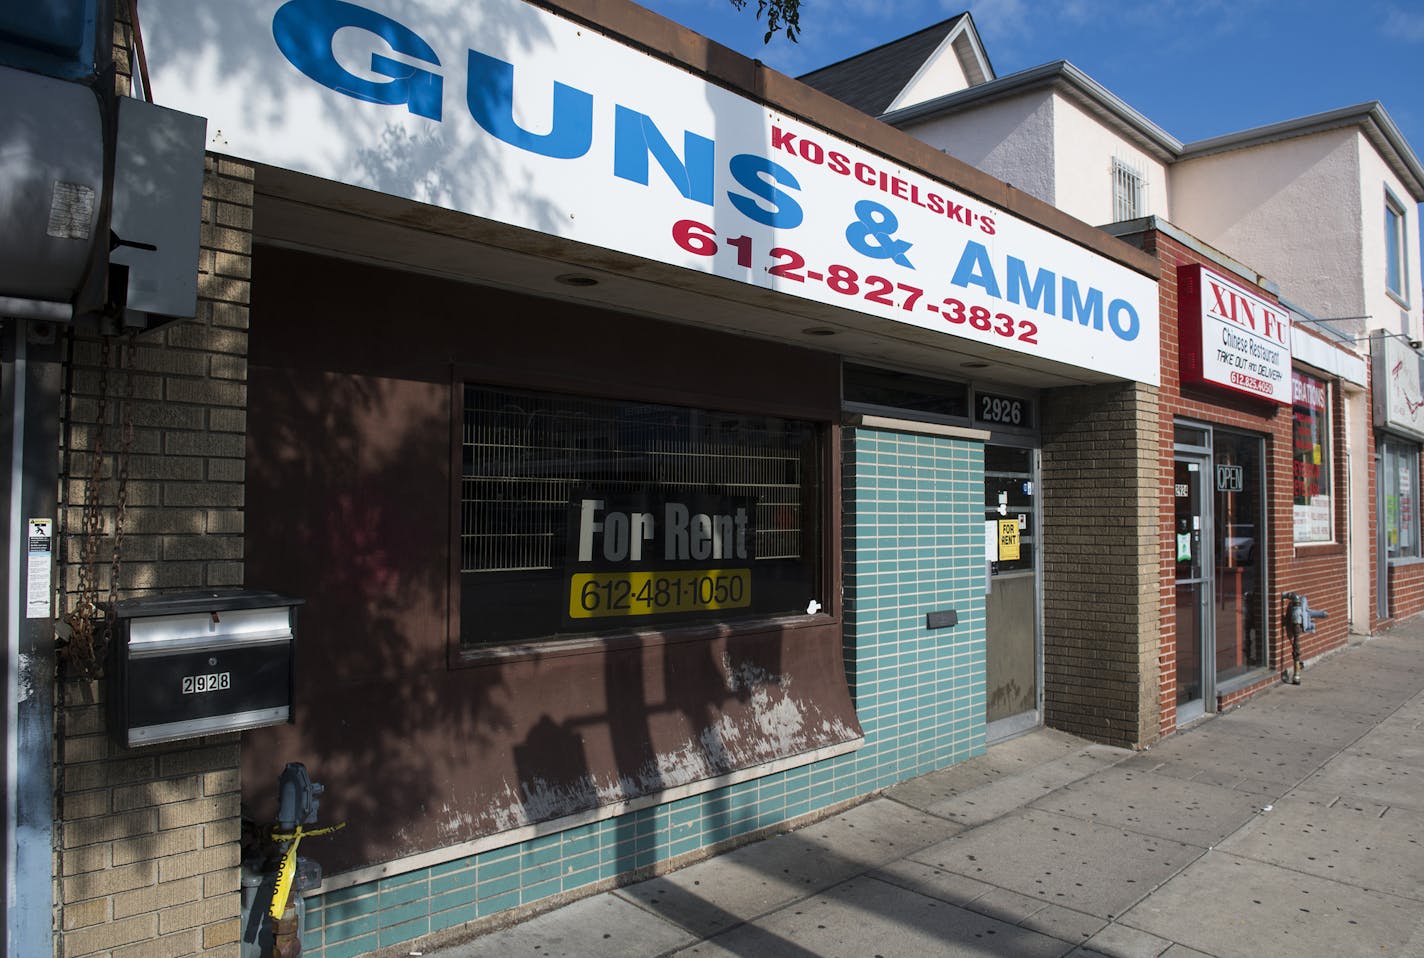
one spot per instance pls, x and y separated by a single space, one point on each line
1129 188
527 455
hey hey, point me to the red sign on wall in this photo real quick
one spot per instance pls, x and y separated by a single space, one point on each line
1232 338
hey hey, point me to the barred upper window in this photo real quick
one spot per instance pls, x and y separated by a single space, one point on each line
1129 189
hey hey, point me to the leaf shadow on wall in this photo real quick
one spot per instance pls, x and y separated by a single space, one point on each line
348 508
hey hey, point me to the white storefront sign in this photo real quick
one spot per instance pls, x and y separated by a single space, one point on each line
1232 338
505 111
1398 398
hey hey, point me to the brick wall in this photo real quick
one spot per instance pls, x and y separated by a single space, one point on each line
147 839
1406 592
1320 571
1100 573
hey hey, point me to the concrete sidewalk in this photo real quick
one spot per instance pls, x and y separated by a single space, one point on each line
1292 826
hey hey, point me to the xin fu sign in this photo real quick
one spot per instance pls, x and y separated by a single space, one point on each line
506 111
1232 338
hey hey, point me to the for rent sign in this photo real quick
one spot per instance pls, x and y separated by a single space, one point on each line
503 110
634 556
1232 338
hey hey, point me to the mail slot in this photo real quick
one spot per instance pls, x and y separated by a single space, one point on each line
200 663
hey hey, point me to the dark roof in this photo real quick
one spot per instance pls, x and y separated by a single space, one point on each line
870 81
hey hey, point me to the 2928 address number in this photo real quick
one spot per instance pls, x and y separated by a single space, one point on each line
596 594
211 682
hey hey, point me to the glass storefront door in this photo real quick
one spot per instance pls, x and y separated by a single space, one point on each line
1011 606
1240 569
1220 551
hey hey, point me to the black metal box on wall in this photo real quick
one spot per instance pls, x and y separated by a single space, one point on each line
201 663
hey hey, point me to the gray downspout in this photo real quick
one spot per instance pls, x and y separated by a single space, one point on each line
31 398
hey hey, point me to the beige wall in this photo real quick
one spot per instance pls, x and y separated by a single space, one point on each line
1083 160
1290 209
1011 139
941 75
1050 148
1375 180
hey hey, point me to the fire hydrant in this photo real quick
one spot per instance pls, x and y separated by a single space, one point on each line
272 912
1300 619
297 804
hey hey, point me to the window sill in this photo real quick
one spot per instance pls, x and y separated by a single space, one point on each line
1246 680
1405 561
1306 550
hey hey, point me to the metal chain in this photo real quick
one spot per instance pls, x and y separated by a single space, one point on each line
92 521
121 493
76 627
83 645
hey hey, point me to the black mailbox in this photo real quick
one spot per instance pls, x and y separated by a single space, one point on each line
200 663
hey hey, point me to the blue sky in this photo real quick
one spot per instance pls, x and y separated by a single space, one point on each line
1197 69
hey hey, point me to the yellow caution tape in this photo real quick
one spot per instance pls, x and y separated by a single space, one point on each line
287 871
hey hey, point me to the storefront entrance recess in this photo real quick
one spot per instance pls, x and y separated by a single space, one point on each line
1219 550
1011 606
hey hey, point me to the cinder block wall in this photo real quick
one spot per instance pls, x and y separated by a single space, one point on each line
1100 573
147 839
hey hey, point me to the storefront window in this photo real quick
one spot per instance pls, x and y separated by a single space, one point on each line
581 516
1310 467
898 392
1400 487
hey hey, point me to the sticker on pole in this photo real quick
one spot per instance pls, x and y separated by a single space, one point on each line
39 534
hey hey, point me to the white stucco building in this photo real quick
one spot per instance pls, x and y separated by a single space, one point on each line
1324 208
1325 205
